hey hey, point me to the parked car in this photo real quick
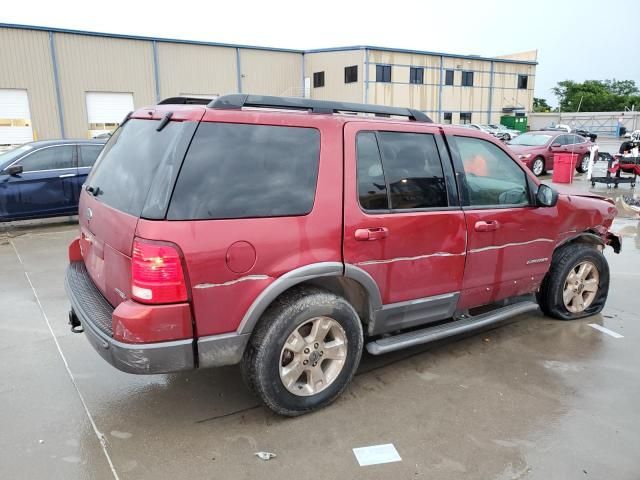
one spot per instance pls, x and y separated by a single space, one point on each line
579 131
44 179
503 132
288 241
536 149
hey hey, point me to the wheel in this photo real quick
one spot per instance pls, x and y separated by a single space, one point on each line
577 284
506 137
538 166
304 351
583 166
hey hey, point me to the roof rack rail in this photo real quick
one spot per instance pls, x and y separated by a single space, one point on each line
239 100
185 101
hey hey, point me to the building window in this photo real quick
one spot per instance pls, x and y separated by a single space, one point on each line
465 117
448 77
523 80
416 75
318 79
467 79
351 74
383 73
448 118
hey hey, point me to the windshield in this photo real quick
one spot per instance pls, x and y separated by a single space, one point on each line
531 140
9 156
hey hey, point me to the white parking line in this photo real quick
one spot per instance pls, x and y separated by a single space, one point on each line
101 438
606 330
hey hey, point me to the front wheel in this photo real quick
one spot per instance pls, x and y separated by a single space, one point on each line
577 283
506 137
304 351
538 166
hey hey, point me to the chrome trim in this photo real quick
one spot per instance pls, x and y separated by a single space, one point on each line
514 244
44 148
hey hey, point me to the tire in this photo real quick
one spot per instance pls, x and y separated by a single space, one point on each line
283 340
506 137
537 167
565 269
583 166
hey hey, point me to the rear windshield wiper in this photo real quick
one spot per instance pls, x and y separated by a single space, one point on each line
165 120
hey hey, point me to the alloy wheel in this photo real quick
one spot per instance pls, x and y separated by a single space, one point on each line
581 287
313 356
537 167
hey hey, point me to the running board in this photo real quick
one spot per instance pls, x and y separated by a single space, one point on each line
431 334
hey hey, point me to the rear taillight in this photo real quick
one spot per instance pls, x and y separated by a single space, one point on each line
156 273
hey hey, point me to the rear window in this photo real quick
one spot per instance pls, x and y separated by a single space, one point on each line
134 154
241 171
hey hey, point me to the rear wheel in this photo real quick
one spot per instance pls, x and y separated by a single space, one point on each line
538 166
506 137
583 165
304 351
577 283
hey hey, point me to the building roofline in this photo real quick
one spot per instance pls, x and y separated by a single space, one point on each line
254 47
420 52
143 38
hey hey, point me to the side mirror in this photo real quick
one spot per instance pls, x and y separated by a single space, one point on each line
546 196
556 145
14 170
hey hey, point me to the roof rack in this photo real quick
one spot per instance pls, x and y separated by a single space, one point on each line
239 100
185 101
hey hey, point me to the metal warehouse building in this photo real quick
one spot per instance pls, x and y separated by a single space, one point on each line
61 83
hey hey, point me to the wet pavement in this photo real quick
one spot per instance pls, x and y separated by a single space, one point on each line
535 398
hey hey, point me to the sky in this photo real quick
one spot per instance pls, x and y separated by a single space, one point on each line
575 40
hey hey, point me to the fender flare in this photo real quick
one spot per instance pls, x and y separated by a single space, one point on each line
584 237
302 274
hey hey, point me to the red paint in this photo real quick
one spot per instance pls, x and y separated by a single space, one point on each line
487 255
137 323
529 153
241 257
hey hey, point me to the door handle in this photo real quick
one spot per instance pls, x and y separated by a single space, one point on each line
373 233
67 175
488 226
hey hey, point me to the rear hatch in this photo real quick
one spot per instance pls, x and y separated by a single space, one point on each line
132 178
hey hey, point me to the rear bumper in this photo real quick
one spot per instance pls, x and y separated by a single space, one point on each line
95 313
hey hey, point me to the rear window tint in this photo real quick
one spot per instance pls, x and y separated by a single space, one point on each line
126 169
240 171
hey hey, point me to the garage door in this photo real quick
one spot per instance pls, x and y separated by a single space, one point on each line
15 118
105 110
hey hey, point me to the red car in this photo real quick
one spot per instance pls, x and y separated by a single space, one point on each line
536 149
285 236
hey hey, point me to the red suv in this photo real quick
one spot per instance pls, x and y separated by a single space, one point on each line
288 234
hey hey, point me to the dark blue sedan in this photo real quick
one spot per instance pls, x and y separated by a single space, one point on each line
43 179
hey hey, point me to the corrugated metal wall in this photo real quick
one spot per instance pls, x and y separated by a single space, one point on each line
196 69
271 73
89 63
332 64
25 63
101 64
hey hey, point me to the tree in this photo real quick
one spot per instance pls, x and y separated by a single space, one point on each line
596 95
540 105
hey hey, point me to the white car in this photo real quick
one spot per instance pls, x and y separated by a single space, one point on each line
504 133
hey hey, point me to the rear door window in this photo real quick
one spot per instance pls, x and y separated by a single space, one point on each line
413 170
242 171
88 155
